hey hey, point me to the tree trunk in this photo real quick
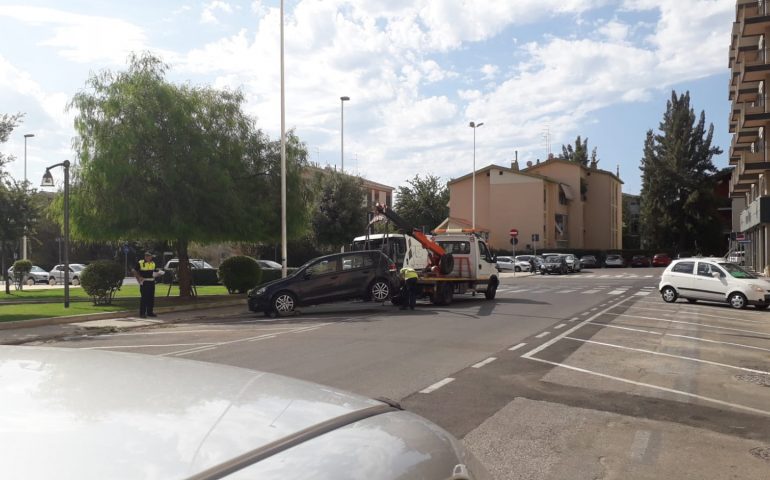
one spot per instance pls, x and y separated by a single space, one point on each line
184 272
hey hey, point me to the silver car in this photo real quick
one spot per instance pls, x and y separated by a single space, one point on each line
86 414
35 275
56 275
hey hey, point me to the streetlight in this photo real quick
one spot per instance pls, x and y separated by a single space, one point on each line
24 240
284 269
342 132
48 182
474 126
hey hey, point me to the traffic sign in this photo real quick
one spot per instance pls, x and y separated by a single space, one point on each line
535 237
514 232
740 236
514 241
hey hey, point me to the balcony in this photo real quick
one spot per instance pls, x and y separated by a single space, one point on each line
735 153
754 115
752 164
755 213
755 18
756 67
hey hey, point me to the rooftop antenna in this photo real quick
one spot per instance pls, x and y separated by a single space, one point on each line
547 139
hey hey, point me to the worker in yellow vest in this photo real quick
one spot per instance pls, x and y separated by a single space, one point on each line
146 272
409 288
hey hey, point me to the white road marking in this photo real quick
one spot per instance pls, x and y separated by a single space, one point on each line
593 309
589 292
484 362
609 325
687 323
669 355
541 335
195 351
639 445
655 387
516 347
561 325
641 294
565 291
585 313
616 292
437 385
649 276
265 337
150 346
519 290
574 319
697 313
605 276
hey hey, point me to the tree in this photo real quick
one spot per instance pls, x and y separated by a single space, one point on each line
423 202
17 211
579 154
340 213
678 203
177 163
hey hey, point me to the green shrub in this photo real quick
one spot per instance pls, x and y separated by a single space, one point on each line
20 269
240 273
101 279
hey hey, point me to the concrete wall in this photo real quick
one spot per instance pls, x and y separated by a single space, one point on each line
568 174
603 211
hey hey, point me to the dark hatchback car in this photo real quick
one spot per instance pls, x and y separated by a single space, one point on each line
640 261
369 275
589 261
555 264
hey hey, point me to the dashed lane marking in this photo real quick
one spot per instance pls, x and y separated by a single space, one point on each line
565 291
484 362
688 323
437 385
590 292
559 326
617 292
541 335
641 294
516 347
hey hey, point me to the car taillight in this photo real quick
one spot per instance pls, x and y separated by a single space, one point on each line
392 267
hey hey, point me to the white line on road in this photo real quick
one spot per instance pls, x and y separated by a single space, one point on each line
516 347
561 325
542 334
574 319
199 350
655 387
616 292
680 357
696 313
150 346
687 323
594 309
649 276
639 445
641 294
264 337
437 385
484 362
590 292
565 291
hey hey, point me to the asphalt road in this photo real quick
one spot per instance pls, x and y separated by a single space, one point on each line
582 376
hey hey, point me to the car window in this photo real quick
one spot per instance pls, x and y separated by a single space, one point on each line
172 264
350 262
324 266
683 267
38 269
705 269
735 271
269 264
454 248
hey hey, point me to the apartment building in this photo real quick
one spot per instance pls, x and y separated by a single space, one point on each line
375 192
749 63
552 204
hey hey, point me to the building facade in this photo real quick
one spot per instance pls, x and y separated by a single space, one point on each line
749 63
374 192
553 204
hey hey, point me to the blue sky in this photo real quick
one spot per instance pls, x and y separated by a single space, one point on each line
417 72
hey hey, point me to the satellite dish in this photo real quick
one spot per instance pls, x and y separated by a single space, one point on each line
529 163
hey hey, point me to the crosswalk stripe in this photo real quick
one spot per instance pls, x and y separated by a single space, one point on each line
641 294
617 292
588 292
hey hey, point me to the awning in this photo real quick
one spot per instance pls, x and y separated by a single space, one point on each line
567 191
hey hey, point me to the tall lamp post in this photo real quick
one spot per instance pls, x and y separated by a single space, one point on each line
342 132
48 182
24 240
474 126
284 248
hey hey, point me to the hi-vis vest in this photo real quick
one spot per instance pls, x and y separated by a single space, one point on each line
146 269
408 273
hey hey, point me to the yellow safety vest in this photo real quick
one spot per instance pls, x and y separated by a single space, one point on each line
408 273
146 265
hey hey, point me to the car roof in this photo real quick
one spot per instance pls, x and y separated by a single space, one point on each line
97 414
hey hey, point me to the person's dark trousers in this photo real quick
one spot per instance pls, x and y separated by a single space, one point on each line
411 293
147 300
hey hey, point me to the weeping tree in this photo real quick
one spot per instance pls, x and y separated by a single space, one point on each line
177 163
678 202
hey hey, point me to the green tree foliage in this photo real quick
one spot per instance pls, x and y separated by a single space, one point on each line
579 153
101 280
20 269
240 273
177 163
423 202
678 203
339 214
17 211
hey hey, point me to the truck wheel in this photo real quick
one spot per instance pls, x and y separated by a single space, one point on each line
446 264
491 290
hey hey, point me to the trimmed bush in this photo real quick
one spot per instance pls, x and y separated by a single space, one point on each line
101 279
20 269
240 273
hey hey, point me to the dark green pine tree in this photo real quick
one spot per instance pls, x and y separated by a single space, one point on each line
678 203
578 153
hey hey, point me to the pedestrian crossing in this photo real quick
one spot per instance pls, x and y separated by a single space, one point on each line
607 276
592 290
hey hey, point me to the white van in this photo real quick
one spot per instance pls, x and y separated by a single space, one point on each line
713 279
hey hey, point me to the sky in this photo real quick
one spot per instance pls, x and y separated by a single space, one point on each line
535 72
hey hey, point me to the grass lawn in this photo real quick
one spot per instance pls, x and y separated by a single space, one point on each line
77 293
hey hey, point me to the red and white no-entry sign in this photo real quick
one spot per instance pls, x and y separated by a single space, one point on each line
514 232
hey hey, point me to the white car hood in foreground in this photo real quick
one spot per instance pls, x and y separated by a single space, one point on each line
71 413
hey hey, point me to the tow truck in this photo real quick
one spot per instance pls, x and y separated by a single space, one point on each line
452 262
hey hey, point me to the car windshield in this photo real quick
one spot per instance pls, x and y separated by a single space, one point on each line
552 259
38 270
77 267
736 271
200 264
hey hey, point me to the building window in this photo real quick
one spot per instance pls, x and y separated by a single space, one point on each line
388 198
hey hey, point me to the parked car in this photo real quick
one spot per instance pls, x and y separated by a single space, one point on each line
203 272
640 261
614 260
555 263
713 279
661 260
56 275
367 274
573 263
35 275
110 415
589 261
511 264
269 265
534 260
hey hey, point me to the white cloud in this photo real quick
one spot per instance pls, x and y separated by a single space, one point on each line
614 31
208 15
489 71
53 103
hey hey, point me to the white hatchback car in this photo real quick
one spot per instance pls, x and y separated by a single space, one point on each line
713 279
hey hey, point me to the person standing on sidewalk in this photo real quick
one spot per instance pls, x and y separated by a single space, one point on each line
145 272
409 290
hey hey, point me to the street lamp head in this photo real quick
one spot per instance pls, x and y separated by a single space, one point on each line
475 125
344 99
29 135
47 179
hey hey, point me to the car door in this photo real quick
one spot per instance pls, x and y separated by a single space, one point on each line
682 278
58 273
486 264
357 273
707 285
320 281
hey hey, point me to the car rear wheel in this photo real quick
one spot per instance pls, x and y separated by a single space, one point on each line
284 303
379 291
669 294
517 269
75 281
737 300
30 281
